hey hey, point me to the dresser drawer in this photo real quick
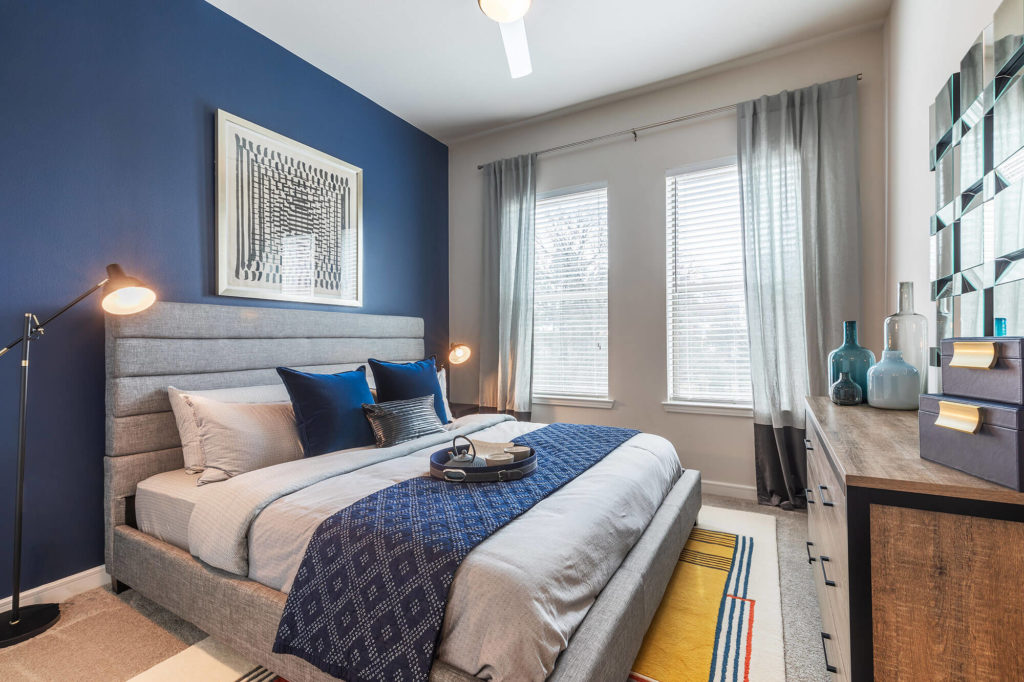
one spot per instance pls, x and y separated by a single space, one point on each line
836 650
826 520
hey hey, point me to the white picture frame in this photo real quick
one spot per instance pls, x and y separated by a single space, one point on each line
289 219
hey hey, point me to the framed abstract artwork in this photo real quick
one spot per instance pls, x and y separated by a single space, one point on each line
289 218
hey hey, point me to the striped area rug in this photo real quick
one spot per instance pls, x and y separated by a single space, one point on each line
721 617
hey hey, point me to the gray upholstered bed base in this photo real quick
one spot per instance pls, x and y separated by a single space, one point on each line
196 346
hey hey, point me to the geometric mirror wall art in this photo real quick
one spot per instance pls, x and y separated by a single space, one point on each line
289 218
977 156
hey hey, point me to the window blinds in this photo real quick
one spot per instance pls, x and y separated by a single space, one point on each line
570 319
708 349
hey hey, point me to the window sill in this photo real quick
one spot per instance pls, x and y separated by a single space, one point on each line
568 401
721 409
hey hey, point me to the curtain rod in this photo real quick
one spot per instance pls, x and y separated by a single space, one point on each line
638 129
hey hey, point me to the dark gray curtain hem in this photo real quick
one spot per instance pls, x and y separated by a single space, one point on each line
520 416
781 465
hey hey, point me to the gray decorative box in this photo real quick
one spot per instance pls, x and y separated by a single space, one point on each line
986 368
977 437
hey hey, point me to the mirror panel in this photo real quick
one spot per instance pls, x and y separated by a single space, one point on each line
1008 306
976 70
1008 114
1008 29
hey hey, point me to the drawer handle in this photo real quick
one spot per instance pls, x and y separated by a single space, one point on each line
973 354
821 493
810 500
959 417
828 666
828 582
810 559
807 444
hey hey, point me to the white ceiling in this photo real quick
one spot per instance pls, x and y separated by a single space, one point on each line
440 65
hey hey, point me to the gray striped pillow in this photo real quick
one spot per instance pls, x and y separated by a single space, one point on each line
397 421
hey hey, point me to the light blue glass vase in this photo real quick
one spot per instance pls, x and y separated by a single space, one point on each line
893 384
851 357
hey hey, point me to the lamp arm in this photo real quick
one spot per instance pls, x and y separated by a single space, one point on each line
51 318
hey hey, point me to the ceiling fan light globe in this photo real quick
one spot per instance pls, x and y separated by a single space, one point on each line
504 11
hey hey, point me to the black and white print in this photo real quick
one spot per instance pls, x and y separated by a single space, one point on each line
289 222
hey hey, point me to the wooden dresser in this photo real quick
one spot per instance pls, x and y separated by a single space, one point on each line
919 568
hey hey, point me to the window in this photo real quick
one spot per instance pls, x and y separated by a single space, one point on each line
570 299
708 349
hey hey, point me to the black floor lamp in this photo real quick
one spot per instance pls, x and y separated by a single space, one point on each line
122 295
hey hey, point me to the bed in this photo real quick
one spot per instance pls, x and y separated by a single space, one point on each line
589 624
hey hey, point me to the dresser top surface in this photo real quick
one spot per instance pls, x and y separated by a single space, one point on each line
875 448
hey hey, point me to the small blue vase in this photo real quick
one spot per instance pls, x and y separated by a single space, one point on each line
845 391
893 384
850 357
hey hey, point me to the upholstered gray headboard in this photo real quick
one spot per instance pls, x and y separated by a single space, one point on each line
198 346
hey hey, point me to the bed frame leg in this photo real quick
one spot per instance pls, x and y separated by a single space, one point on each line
117 587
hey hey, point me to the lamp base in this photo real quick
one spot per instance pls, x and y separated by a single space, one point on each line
35 619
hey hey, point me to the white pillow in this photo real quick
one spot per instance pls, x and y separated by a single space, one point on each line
186 419
238 437
443 380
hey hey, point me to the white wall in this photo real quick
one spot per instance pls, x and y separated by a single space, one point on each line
925 40
721 447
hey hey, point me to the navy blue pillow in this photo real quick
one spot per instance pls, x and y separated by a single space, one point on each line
329 409
405 380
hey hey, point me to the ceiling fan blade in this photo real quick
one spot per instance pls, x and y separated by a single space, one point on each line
517 51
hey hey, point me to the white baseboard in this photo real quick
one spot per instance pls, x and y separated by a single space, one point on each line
62 589
744 492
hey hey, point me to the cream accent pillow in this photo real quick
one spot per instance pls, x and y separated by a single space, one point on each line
240 437
185 418
443 380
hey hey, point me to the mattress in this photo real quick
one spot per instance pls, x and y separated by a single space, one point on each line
164 503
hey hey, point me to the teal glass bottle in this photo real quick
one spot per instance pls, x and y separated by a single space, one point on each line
851 357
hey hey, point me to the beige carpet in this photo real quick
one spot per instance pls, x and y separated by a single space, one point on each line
99 636
114 638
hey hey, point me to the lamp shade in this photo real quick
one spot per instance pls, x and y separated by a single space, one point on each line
504 11
459 353
124 295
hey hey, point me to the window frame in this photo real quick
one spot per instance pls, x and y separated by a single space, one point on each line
670 404
568 399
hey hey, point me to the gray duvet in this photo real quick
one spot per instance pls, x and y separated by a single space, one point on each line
516 599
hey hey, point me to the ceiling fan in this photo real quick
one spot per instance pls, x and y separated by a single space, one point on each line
509 15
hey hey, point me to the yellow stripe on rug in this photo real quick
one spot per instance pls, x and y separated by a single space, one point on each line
721 616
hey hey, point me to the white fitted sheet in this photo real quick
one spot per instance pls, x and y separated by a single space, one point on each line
164 503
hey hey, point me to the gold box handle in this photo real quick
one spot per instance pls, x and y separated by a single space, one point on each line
973 354
959 417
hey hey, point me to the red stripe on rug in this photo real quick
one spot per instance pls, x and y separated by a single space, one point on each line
750 637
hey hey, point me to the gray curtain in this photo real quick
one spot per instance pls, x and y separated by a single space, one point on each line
506 338
799 188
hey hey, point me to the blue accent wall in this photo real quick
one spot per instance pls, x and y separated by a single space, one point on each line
107 140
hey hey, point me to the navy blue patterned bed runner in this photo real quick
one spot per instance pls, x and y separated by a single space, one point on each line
369 598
